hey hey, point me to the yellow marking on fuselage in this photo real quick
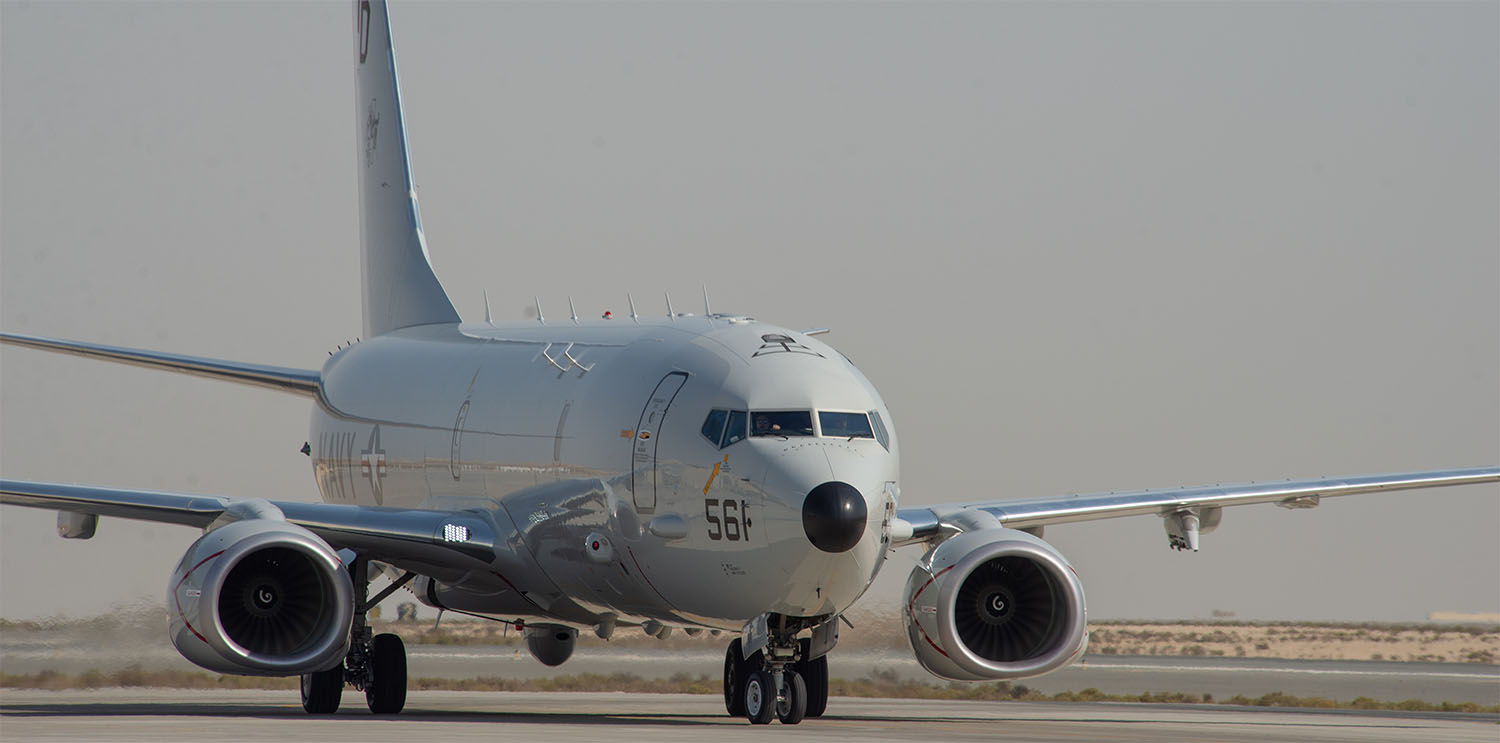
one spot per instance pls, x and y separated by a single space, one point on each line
627 434
714 474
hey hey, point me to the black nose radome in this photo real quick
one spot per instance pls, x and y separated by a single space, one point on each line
833 515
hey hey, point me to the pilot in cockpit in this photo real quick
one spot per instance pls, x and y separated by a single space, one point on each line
764 426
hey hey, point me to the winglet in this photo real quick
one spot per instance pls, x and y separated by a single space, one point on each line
400 289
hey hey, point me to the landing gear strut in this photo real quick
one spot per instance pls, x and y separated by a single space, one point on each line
778 682
375 664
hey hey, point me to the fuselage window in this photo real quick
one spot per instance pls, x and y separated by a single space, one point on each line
781 423
735 431
845 425
880 433
713 425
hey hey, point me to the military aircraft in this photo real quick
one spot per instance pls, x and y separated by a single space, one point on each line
693 472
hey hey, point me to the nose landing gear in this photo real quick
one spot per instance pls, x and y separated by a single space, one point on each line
775 694
779 682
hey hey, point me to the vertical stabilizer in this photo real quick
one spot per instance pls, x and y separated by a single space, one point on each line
400 289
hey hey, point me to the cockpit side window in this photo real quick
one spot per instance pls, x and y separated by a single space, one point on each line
881 435
781 423
713 425
845 425
735 431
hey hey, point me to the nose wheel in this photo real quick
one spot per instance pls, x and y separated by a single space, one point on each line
760 697
791 701
780 695
770 694
760 691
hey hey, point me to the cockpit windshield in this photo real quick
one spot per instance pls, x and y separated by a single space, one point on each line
736 429
781 423
845 425
724 427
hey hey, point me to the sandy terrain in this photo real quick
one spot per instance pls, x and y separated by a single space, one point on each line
1433 643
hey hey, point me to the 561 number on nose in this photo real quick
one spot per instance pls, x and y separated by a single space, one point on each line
727 520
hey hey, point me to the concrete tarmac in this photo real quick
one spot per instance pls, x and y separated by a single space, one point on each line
228 716
1222 677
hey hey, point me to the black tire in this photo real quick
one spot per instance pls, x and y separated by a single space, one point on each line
791 707
322 691
760 697
814 673
734 679
386 693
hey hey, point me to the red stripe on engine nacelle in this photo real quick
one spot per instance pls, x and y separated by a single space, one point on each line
180 614
910 612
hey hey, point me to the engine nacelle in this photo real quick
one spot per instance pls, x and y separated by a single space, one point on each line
994 604
552 644
261 597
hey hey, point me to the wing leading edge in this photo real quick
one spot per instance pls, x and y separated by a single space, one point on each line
412 538
1029 513
302 381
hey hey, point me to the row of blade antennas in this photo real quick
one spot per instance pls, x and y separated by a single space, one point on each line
573 313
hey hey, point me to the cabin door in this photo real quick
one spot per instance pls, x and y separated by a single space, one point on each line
643 469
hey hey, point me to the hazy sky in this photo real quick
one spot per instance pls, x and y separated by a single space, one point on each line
1077 247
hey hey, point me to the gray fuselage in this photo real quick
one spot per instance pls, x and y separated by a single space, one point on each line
584 447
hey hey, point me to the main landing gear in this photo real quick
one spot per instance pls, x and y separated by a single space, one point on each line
375 664
777 682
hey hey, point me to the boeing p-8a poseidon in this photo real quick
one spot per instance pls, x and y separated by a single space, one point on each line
696 472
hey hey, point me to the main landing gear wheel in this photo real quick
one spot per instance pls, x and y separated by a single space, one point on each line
734 679
322 691
815 674
791 703
386 693
760 697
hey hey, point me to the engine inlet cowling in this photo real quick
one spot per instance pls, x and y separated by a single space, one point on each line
261 597
994 604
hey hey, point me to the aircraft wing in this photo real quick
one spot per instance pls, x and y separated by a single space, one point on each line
303 381
1030 513
426 541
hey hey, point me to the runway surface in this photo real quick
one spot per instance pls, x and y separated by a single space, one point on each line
1221 677
229 716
